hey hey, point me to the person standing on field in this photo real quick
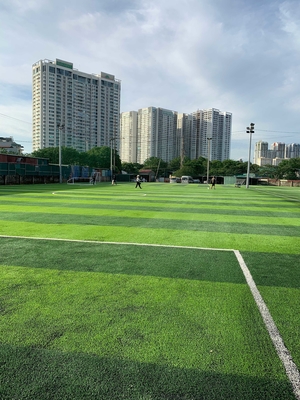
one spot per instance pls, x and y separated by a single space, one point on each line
213 183
138 182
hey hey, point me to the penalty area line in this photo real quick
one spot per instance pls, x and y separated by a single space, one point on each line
283 353
107 242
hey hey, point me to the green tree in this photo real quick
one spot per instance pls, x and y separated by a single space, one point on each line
289 169
269 171
185 170
131 168
157 165
69 156
175 164
52 153
198 166
215 168
100 157
233 167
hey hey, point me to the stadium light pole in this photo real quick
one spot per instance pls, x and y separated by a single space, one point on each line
111 156
208 158
60 128
249 130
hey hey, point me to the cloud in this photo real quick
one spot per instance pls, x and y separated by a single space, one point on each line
235 55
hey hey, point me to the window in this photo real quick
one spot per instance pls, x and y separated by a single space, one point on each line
52 70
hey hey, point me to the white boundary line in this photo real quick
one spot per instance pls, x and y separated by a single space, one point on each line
283 353
124 243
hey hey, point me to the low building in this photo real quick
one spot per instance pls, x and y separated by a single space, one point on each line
10 146
147 174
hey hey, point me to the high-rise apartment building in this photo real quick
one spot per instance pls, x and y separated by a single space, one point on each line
129 136
278 152
278 149
261 151
166 134
214 125
73 108
292 150
157 129
186 143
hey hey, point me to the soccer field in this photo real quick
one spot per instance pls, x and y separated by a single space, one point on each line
112 292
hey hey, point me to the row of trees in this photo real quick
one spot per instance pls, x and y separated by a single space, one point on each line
97 157
101 157
287 169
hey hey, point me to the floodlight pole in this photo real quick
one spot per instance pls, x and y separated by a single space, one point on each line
111 156
249 130
60 128
208 158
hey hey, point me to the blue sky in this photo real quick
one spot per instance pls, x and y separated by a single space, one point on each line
238 56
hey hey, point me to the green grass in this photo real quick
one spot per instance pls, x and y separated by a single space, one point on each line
84 320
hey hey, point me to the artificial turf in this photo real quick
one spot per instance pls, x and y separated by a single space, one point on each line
84 320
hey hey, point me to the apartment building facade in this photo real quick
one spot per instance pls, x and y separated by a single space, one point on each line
215 126
148 132
73 108
186 143
129 136
278 151
167 135
292 150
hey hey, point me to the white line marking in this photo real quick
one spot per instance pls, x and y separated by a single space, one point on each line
124 243
283 353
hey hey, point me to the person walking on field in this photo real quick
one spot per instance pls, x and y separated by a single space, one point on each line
213 183
138 182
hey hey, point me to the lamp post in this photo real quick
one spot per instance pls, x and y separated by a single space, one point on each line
60 128
111 157
208 158
249 130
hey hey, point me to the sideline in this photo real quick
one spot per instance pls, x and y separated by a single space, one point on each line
283 353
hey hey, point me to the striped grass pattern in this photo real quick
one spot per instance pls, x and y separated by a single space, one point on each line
85 319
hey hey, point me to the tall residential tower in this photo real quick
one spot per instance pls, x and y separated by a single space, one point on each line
156 134
215 125
73 108
166 134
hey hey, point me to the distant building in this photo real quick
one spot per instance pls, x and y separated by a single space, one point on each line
278 152
10 146
167 135
186 136
156 134
74 108
261 151
278 149
129 135
215 125
292 150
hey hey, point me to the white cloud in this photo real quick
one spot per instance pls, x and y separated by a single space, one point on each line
235 55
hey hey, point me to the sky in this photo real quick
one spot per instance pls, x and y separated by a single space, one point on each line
239 56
